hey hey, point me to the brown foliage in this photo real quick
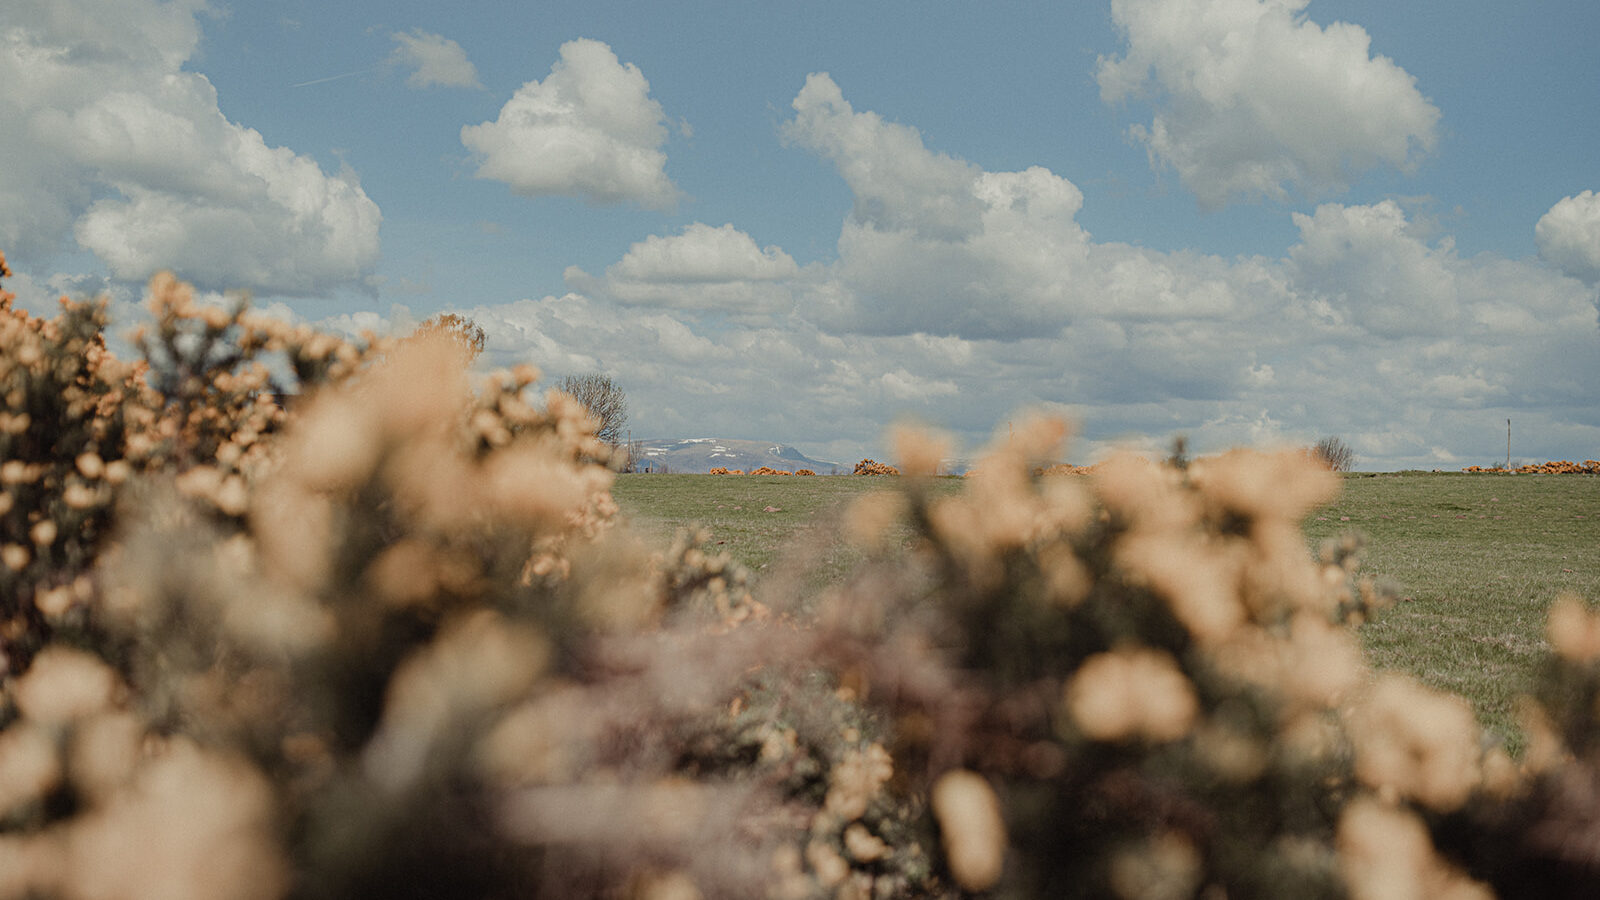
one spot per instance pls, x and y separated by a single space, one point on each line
870 467
1555 467
467 333
392 643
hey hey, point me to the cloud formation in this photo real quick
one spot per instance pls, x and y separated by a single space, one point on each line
934 243
434 60
590 129
109 140
1569 236
701 268
960 295
1371 272
1251 99
898 183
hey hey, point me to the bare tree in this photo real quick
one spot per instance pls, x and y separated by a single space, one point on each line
638 461
1334 453
604 400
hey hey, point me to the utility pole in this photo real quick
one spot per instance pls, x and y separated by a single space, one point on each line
1508 444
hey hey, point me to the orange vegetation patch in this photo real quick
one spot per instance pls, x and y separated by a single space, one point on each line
768 470
804 472
1556 467
869 467
1056 469
1065 469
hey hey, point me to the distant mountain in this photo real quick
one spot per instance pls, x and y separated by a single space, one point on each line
701 455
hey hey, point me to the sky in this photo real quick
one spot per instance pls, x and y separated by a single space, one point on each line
1248 222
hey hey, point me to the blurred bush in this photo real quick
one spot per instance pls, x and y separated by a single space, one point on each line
392 643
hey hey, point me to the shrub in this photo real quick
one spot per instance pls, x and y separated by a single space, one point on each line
1064 469
869 467
460 328
1554 467
74 425
394 644
1112 665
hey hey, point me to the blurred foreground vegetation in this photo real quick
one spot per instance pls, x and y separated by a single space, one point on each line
396 643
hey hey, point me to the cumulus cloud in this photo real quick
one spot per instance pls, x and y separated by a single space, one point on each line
703 254
784 380
898 183
1369 269
434 60
109 140
701 268
1366 267
1283 364
960 295
1252 99
590 129
934 243
938 245
1569 236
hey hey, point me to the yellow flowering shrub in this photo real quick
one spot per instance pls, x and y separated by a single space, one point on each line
368 627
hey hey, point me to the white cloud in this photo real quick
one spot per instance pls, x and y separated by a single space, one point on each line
589 130
898 183
1367 268
1365 263
1288 374
701 268
961 295
934 243
906 386
434 60
1251 98
111 141
1569 236
704 254
938 245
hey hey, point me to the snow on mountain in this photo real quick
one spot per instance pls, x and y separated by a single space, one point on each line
701 455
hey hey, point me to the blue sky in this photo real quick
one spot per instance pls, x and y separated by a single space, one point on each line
1247 222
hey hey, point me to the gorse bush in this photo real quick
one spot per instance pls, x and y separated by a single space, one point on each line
392 643
872 467
1553 467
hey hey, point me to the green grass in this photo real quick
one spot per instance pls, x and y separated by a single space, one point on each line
799 534
1479 557
753 517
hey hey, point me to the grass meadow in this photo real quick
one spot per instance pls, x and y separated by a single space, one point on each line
1478 558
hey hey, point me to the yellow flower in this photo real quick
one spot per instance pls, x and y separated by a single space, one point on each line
1131 693
1418 742
973 832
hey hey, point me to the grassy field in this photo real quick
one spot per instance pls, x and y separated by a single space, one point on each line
1479 557
761 521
